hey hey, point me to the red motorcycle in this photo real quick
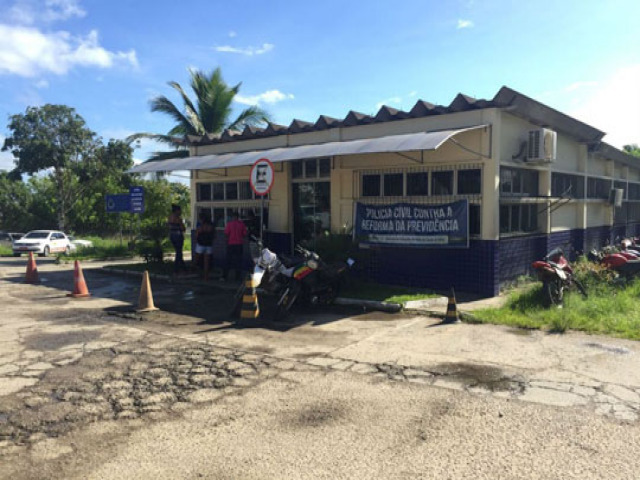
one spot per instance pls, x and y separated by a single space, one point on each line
625 262
556 276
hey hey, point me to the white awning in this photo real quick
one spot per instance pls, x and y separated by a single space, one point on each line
389 144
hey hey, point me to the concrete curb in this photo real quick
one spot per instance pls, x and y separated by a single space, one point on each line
370 304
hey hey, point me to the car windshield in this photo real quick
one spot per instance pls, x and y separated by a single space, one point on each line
37 235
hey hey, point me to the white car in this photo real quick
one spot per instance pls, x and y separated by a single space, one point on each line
42 242
79 244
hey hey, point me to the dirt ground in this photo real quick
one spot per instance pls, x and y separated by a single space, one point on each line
91 389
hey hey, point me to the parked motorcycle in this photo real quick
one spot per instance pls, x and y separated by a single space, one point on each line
625 262
556 276
303 277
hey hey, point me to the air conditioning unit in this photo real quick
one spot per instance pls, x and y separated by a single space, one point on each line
541 146
615 197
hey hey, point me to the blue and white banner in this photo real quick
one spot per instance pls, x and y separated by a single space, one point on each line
413 225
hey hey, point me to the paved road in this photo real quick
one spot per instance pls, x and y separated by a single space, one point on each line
88 390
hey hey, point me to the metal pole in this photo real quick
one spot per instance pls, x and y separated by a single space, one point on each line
261 216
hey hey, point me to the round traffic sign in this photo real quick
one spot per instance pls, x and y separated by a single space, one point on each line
261 177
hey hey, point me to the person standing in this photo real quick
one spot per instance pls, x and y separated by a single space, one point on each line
205 235
235 231
176 235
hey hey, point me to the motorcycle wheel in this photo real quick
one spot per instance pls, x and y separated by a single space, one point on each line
286 301
554 292
581 288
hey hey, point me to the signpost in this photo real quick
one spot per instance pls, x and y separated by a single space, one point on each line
131 203
136 194
261 180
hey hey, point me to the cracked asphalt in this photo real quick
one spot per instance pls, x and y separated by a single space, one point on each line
90 390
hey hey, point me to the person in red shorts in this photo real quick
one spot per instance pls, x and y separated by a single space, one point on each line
235 231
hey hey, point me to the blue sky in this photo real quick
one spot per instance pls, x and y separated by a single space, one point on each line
303 59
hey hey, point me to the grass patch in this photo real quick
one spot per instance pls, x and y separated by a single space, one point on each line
610 309
106 248
384 293
5 251
103 248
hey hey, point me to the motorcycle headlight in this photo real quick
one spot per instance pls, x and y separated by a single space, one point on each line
312 264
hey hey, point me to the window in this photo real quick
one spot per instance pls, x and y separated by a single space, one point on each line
311 168
218 191
296 169
474 219
418 183
371 185
204 192
634 191
598 188
442 183
518 181
518 218
469 182
565 185
231 190
393 185
245 191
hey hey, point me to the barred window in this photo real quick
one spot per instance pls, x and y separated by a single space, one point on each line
469 181
565 185
518 181
598 188
522 218
417 183
442 182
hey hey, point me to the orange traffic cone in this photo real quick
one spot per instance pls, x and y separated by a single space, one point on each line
145 302
79 285
32 270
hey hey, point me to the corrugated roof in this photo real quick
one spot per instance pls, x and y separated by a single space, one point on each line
507 98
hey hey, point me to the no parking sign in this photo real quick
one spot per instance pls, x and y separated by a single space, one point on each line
261 177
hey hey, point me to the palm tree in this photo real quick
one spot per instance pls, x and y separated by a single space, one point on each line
209 114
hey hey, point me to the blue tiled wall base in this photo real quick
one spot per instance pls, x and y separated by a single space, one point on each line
468 270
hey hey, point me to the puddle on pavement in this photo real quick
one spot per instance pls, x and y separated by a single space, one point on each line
609 348
54 341
472 375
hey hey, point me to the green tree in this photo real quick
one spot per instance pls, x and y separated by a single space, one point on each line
210 111
632 149
55 137
15 202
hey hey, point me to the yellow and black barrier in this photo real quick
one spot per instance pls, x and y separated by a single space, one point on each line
452 311
250 307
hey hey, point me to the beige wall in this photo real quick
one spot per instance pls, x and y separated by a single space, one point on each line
499 143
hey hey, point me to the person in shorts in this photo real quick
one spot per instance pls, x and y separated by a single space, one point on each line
205 234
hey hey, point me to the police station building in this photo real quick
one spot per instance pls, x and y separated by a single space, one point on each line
464 195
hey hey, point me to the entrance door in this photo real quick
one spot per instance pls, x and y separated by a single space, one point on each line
311 211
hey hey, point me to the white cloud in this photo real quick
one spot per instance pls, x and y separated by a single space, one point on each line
464 24
28 12
41 84
578 85
232 34
28 52
249 51
270 96
613 106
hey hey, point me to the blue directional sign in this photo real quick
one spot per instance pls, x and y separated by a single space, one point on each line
136 195
118 203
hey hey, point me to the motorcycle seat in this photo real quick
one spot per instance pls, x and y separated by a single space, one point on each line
289 261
